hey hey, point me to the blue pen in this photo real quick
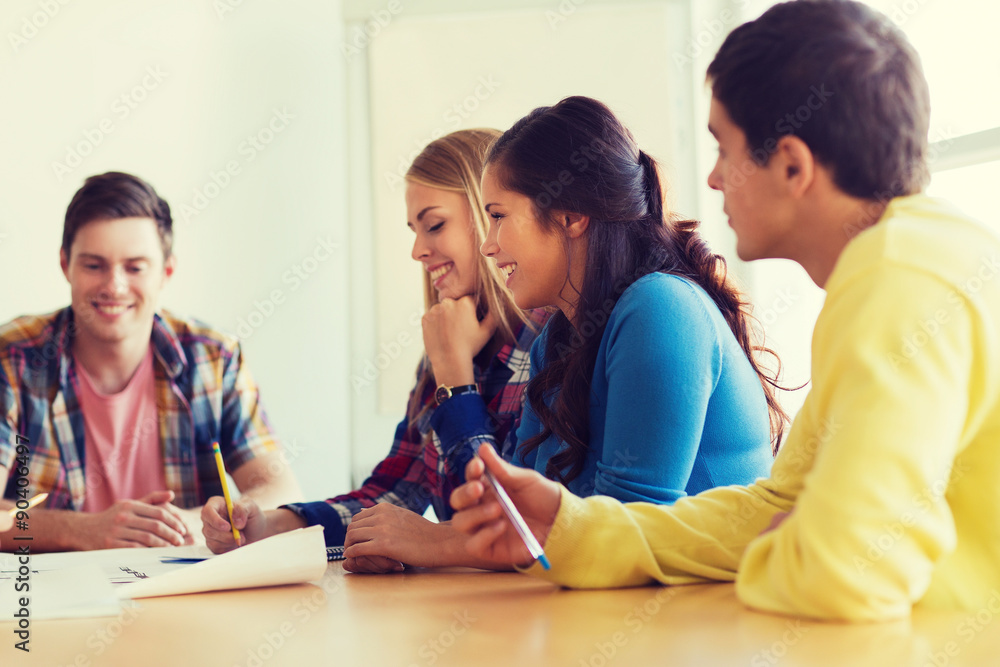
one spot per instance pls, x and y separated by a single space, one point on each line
534 548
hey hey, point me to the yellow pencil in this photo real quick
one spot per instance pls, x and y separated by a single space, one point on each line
35 500
225 490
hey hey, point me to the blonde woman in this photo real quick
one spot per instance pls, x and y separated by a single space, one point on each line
476 344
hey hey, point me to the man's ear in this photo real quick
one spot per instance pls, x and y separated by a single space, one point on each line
168 266
64 263
795 163
576 224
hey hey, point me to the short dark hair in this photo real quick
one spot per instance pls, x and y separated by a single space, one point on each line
841 77
116 195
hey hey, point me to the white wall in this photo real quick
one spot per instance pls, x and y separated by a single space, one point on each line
224 71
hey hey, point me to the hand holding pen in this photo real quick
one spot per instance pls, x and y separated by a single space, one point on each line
481 513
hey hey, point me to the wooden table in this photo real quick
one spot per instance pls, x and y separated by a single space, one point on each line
467 617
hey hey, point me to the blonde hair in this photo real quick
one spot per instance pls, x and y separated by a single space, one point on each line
455 163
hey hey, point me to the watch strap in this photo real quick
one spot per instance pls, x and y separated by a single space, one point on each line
444 392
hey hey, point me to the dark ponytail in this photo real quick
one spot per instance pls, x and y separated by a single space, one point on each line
630 235
654 192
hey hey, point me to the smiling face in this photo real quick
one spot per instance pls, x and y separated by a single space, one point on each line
116 273
751 192
534 259
445 242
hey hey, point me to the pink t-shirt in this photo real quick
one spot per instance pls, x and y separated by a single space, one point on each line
122 434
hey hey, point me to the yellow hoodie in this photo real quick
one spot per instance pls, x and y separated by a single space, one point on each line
891 471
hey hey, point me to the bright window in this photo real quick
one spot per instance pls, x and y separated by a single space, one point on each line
957 46
972 189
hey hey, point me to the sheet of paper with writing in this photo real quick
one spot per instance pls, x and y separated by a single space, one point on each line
294 557
78 584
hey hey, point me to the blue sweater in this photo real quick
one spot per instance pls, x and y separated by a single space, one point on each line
675 408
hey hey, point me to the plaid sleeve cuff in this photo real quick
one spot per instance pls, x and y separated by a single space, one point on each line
462 424
460 419
324 514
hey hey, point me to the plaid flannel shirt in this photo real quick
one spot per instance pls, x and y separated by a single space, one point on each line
203 393
420 470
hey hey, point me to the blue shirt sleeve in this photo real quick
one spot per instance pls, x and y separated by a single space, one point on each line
462 424
322 513
656 371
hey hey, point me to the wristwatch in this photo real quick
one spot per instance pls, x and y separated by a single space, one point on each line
444 392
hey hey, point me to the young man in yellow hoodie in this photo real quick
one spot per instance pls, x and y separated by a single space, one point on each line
884 494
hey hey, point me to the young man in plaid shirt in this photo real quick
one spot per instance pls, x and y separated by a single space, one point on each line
119 401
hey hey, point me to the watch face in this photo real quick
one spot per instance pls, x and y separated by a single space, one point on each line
442 394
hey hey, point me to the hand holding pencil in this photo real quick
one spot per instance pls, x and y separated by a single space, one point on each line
481 515
217 526
225 490
222 518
